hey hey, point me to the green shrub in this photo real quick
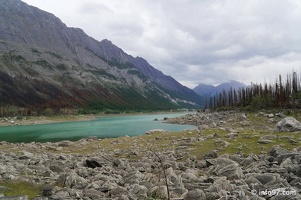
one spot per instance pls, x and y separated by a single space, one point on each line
20 188
109 111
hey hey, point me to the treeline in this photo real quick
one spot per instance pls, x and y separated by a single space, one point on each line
284 93
12 111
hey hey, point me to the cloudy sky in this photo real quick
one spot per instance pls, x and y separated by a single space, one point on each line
195 41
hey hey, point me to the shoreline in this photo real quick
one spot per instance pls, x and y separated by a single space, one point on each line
33 120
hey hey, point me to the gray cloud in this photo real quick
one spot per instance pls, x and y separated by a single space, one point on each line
208 41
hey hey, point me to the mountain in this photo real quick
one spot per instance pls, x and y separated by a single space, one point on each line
209 90
45 64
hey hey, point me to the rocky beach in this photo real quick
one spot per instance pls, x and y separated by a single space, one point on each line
31 120
232 155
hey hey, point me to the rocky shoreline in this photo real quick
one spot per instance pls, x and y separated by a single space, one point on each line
32 120
68 170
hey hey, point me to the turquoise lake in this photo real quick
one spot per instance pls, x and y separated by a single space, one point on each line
103 127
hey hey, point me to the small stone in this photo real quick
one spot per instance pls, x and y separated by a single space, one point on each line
26 155
210 154
153 131
245 123
93 194
292 141
264 141
47 191
56 169
232 135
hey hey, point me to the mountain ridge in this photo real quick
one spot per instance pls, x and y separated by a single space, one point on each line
210 90
59 62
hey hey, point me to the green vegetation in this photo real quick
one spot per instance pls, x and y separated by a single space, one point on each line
101 72
48 112
138 73
246 143
18 57
43 63
55 55
9 59
125 99
31 72
109 111
126 65
33 50
17 188
283 94
61 66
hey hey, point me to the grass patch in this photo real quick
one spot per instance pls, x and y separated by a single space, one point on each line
246 143
11 188
190 143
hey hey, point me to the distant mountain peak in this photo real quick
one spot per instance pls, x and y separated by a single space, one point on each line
209 90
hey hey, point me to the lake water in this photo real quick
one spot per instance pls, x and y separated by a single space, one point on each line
102 127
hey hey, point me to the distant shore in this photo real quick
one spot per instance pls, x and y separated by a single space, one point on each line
31 120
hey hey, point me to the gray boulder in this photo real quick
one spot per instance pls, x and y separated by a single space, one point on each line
138 190
281 154
118 192
263 178
195 194
225 167
278 151
160 192
288 124
220 184
93 194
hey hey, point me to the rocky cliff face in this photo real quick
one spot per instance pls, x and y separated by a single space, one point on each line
45 63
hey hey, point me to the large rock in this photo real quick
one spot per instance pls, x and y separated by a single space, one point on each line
160 192
288 124
195 194
281 154
220 184
118 192
225 167
138 190
92 164
262 178
133 177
